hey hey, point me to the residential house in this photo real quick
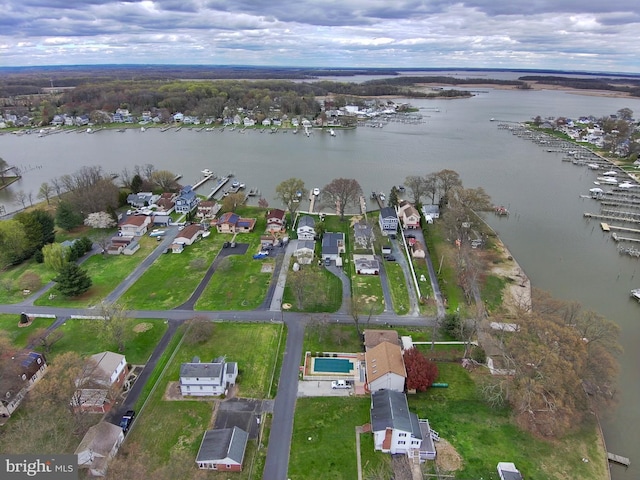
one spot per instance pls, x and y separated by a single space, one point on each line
135 225
332 245
373 338
508 471
363 234
131 248
385 367
306 228
186 200
166 203
409 215
366 265
26 369
118 243
110 369
230 222
248 122
189 234
395 429
305 251
222 449
430 212
99 445
177 247
208 209
418 250
206 379
388 221
276 222
141 199
268 241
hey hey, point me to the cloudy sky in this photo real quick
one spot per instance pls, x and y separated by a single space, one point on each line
595 35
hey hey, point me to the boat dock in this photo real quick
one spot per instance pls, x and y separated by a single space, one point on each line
610 217
201 182
221 183
618 459
312 202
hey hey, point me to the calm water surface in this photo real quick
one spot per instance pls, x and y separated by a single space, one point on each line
558 249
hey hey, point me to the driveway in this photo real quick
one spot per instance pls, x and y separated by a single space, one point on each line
321 388
244 413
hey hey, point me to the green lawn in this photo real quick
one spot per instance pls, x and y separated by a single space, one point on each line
172 278
398 287
106 272
331 294
322 336
80 336
165 427
324 441
11 290
20 335
238 284
484 436
368 290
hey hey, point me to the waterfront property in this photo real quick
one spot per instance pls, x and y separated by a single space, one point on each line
306 228
388 221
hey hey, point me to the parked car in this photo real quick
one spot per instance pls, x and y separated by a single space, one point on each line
259 256
390 258
340 384
127 420
225 244
327 262
232 245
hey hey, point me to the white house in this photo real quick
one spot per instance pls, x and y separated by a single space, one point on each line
275 220
135 225
306 228
98 446
222 450
304 252
395 429
385 367
203 379
366 265
430 212
388 221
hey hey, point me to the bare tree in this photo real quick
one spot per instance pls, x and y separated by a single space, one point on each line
148 170
431 186
447 179
341 192
45 192
22 198
45 339
115 325
57 185
416 185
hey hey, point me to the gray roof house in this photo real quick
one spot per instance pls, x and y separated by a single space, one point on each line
222 449
332 245
306 228
388 220
141 199
206 379
98 446
186 200
363 234
395 428
305 251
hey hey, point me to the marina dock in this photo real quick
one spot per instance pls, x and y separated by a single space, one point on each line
204 180
221 183
618 459
312 202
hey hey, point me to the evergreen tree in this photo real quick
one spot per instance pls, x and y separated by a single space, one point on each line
393 197
39 229
66 216
72 280
136 184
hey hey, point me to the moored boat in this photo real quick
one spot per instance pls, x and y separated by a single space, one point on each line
635 293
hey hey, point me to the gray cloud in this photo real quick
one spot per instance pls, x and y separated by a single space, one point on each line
569 34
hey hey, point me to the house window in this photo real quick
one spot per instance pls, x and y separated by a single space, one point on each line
24 376
401 442
228 467
188 388
402 434
414 442
39 360
200 387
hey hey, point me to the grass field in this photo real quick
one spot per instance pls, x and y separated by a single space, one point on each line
20 335
398 287
176 427
322 278
11 291
172 278
321 336
82 336
106 273
324 442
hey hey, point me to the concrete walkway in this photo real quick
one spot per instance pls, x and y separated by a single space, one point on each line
278 292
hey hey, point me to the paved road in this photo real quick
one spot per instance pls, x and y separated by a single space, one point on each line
277 461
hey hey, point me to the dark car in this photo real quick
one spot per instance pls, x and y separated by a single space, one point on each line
225 244
327 262
127 420
390 258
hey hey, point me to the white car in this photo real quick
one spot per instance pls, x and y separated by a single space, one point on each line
336 384
316 191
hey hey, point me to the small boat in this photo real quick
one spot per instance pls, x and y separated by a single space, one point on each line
382 197
206 172
610 173
635 293
206 234
608 180
235 184
594 166
626 185
316 191
142 129
332 132
492 119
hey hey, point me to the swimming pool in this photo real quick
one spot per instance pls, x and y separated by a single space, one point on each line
332 365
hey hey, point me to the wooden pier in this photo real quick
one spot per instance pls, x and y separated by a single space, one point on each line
312 202
201 182
610 218
221 183
618 459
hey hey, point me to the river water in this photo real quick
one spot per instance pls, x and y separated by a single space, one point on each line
558 249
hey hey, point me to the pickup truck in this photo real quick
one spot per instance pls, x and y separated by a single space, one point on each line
127 420
336 384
